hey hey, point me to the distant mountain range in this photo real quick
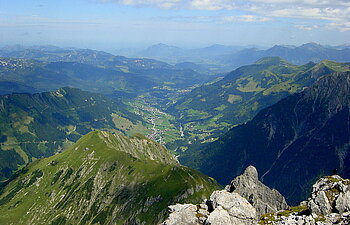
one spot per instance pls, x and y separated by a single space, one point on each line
295 54
176 55
293 142
103 179
226 58
35 68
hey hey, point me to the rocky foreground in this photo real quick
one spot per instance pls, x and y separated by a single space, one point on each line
246 201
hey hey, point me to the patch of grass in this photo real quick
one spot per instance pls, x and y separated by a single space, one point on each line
234 98
222 107
267 218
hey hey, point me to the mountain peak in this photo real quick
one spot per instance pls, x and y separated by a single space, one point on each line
162 45
311 45
139 146
264 199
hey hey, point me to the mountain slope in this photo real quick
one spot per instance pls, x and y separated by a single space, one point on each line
37 125
292 143
208 110
103 179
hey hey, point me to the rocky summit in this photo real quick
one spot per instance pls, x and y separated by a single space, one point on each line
329 203
241 202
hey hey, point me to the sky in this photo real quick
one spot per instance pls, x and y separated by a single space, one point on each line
114 24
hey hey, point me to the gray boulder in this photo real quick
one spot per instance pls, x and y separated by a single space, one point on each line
218 217
239 210
182 215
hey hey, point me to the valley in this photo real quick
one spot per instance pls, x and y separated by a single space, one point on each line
80 126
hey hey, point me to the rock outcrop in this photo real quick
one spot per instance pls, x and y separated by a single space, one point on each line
263 198
222 208
328 204
242 202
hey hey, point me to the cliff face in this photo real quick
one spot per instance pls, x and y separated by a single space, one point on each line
292 143
328 204
103 179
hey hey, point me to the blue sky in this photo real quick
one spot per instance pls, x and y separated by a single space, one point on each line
112 24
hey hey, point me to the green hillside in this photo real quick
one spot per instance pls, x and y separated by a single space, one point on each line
38 125
103 179
209 110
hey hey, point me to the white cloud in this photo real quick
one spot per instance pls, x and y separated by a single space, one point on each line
307 27
213 4
336 12
312 3
342 27
246 18
163 4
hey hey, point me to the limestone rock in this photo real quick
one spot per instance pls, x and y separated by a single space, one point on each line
343 202
329 204
228 209
234 204
218 216
330 194
182 215
296 220
259 195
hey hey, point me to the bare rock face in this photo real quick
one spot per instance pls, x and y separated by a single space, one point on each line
263 198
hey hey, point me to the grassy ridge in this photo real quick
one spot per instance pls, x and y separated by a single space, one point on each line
102 180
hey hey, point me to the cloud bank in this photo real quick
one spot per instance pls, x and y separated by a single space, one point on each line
336 13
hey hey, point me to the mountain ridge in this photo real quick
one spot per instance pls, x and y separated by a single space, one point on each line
101 179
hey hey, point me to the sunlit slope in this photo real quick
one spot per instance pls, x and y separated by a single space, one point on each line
104 178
